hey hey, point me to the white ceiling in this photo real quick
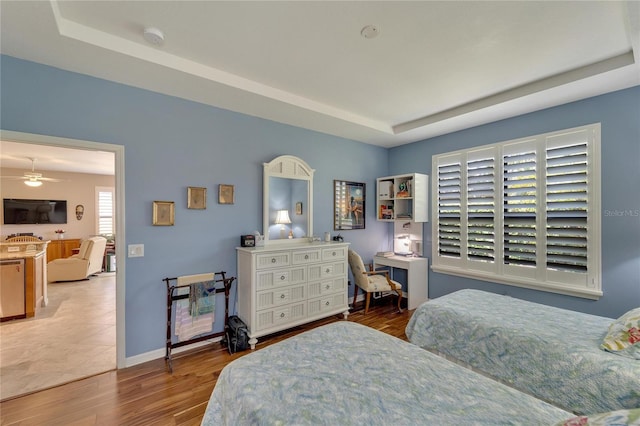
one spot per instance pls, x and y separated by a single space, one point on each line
434 68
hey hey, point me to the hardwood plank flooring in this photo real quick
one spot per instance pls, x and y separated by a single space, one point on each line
147 394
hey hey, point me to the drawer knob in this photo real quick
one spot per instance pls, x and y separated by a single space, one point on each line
326 303
327 270
282 296
306 257
333 254
273 260
282 315
328 287
282 277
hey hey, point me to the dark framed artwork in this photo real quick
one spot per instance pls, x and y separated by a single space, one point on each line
348 205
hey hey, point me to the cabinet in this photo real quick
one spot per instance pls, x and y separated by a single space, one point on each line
61 248
280 288
402 198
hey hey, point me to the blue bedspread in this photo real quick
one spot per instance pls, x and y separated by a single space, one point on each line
548 352
345 373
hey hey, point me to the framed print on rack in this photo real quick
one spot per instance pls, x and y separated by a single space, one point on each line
348 205
196 198
225 194
163 213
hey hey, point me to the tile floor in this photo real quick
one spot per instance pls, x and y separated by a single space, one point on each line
73 337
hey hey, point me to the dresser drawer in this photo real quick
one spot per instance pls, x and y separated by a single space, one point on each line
273 260
337 253
280 316
303 257
327 270
325 287
281 277
327 303
280 296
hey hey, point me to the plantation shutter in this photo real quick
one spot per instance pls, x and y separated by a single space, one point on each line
105 212
519 206
524 212
480 181
449 208
567 207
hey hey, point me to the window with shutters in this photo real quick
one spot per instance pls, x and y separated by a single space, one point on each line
523 212
105 208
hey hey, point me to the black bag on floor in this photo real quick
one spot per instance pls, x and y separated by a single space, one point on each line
236 335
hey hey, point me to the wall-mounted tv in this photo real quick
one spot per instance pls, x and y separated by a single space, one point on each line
29 212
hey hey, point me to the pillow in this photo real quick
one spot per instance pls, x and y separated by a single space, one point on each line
623 337
611 418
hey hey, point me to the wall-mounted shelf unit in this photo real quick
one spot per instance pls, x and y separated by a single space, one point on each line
403 198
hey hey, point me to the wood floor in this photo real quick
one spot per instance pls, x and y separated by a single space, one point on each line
147 394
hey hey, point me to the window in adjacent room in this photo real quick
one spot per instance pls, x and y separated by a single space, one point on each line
524 212
105 209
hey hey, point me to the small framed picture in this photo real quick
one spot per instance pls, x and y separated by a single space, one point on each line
225 194
163 213
299 208
196 198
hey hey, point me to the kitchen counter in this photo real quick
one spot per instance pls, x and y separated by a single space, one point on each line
33 289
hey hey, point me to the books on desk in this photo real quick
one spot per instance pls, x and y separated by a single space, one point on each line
384 254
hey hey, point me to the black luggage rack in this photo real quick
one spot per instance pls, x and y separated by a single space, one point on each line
172 297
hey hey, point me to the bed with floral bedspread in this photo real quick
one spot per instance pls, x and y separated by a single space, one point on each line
346 373
551 353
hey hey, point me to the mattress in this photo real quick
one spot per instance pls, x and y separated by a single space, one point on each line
346 373
548 352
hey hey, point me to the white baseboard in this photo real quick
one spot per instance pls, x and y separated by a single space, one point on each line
160 353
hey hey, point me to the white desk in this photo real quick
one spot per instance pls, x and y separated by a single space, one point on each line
417 278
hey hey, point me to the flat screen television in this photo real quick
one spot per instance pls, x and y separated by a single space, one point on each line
29 212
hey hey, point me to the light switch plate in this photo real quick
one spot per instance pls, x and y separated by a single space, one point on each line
135 250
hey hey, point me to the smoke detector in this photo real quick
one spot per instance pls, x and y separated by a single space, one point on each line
369 31
153 35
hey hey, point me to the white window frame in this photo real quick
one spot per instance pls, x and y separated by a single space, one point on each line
539 277
100 189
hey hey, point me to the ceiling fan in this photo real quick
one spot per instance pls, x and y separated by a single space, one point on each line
33 178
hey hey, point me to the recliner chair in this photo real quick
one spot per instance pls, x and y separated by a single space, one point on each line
88 261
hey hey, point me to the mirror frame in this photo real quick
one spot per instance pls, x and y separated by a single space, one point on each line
288 167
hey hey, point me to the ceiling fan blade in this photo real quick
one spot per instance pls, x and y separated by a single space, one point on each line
46 179
15 177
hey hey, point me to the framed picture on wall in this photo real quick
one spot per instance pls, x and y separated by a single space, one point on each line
348 205
163 213
226 194
196 198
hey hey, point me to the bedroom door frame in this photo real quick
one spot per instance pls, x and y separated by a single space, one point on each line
118 151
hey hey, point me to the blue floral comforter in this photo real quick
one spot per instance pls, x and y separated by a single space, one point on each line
548 352
345 373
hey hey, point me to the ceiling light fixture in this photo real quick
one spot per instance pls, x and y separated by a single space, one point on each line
369 31
154 36
33 183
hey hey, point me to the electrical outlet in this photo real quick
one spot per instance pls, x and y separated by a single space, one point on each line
135 250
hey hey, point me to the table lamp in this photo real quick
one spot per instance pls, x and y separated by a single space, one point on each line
282 218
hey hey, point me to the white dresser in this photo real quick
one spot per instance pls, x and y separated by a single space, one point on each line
283 286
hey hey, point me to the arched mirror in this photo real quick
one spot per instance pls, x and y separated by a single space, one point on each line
288 200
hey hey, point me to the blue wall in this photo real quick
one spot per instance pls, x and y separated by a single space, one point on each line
619 113
171 143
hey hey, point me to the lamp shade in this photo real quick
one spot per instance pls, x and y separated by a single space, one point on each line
282 217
